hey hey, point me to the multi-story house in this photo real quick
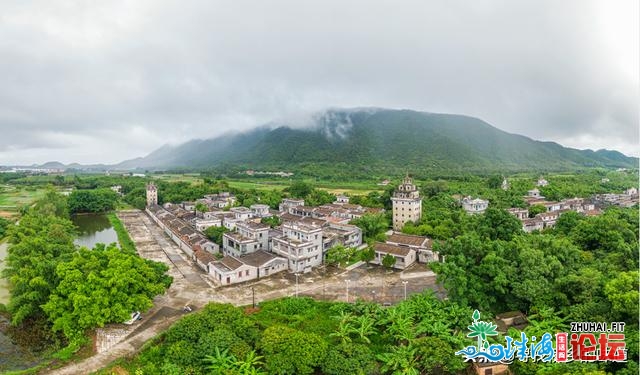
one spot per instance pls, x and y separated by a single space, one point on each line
301 244
340 234
260 210
288 203
256 231
520 213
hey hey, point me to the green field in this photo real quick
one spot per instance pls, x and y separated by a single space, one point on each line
14 197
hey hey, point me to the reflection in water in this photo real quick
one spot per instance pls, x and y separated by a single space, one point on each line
93 229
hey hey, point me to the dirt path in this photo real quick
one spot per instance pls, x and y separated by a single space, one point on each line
192 286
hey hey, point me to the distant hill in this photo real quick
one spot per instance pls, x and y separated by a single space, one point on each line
388 141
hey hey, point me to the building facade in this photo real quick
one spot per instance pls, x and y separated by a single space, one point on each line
407 204
152 194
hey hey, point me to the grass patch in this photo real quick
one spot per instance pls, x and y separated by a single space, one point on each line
126 243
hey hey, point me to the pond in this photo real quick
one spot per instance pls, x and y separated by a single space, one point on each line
93 229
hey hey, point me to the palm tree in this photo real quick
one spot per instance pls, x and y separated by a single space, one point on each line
221 362
365 327
250 364
402 329
344 332
401 361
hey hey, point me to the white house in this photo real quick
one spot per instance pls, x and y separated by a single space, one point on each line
405 256
542 182
301 244
260 210
474 206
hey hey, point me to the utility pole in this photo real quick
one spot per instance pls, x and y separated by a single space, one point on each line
253 296
297 274
348 281
405 282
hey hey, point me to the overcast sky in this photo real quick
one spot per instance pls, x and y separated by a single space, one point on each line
104 81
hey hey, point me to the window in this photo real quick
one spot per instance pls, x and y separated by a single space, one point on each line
246 273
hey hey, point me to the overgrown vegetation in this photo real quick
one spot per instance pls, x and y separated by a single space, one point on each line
126 243
303 336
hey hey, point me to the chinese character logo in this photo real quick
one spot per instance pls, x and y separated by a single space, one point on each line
585 346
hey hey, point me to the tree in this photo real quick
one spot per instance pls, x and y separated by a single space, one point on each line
221 362
535 209
215 234
272 221
401 360
4 224
622 292
351 358
339 254
299 189
499 224
494 182
289 351
372 225
201 207
368 254
388 261
364 327
99 200
434 356
38 245
100 286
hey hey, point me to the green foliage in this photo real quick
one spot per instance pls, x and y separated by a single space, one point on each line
376 144
37 246
215 234
356 359
99 200
388 261
4 224
373 226
289 351
100 286
339 254
498 224
126 243
368 254
299 189
536 209
272 221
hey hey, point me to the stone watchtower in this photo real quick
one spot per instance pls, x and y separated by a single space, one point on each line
152 194
407 204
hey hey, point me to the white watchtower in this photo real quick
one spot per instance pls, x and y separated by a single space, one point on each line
407 204
152 194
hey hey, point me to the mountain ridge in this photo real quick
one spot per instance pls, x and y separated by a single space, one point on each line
376 139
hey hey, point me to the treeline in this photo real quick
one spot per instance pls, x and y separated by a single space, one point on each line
93 201
62 288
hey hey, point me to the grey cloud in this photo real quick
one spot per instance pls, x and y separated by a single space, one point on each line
121 78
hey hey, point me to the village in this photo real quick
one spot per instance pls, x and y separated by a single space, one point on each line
252 250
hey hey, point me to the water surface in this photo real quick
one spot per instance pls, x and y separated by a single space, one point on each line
93 229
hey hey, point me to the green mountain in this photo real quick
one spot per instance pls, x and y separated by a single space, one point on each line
379 141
